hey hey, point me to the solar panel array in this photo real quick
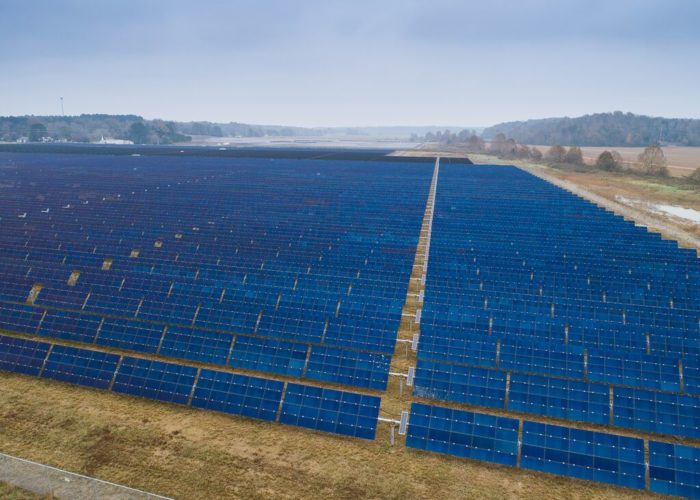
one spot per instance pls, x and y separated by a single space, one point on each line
539 302
570 300
218 261
284 267
164 278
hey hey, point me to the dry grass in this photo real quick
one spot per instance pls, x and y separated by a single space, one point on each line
10 492
681 160
188 453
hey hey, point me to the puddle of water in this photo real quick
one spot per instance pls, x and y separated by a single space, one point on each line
682 212
688 214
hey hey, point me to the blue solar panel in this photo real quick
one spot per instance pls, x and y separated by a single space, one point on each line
238 394
269 355
595 456
341 366
329 410
542 358
70 326
463 434
18 318
652 411
155 380
81 366
21 355
634 369
196 345
691 376
559 398
674 469
462 384
465 347
130 335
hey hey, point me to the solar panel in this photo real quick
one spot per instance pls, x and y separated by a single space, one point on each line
130 335
559 398
238 394
652 411
341 366
463 434
81 366
155 380
268 355
462 384
596 456
329 410
18 318
22 355
70 326
634 369
674 469
196 345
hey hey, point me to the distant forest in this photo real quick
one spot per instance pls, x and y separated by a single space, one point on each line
91 128
602 129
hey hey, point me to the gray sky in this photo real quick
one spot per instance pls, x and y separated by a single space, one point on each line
353 62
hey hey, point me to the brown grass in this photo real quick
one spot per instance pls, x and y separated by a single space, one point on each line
10 492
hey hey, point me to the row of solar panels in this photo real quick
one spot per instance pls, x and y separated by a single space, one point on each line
386 263
573 306
634 369
317 408
318 362
207 282
592 402
596 456
664 341
290 287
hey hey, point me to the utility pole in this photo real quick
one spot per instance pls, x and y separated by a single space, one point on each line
62 111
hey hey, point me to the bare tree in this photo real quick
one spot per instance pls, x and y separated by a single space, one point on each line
536 154
499 145
618 159
475 144
524 151
556 154
574 156
695 176
653 161
606 161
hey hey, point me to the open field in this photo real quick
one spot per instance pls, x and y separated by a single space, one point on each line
681 160
187 453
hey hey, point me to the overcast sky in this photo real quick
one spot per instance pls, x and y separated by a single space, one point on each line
351 62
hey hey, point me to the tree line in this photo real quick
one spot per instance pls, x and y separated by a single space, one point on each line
601 129
92 127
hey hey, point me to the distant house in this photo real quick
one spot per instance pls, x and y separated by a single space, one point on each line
22 140
110 140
